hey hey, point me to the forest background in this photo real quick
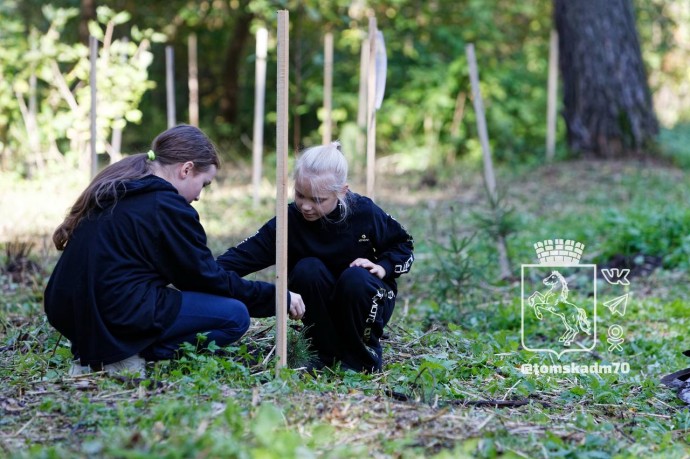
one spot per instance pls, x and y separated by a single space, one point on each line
425 123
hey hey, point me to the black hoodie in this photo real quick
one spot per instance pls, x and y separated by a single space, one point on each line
109 293
367 232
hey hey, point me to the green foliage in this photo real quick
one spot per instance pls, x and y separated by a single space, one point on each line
663 232
46 84
662 26
675 144
426 121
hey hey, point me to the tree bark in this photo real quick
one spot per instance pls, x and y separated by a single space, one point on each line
607 104
229 101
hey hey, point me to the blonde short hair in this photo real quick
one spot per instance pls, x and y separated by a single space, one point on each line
320 161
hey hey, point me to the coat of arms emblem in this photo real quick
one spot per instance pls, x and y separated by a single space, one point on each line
559 300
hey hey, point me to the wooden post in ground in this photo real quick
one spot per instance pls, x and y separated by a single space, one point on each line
281 189
371 110
31 123
259 102
193 80
170 84
327 87
552 94
116 138
93 57
362 107
489 177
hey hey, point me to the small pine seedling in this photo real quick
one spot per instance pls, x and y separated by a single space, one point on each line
300 353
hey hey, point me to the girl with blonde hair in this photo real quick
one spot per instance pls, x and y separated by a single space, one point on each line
344 255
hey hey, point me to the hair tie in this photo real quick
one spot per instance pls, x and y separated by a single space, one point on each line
151 155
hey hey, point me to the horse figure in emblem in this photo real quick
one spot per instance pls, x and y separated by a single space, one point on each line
555 301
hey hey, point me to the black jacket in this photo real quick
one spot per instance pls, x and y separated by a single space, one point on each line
367 232
109 293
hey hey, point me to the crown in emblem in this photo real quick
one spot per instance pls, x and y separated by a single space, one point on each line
559 252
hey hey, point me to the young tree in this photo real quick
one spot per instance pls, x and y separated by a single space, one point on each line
45 94
607 104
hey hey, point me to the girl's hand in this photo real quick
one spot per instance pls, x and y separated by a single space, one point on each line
297 307
376 270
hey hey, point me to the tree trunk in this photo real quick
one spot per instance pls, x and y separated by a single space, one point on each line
229 101
607 104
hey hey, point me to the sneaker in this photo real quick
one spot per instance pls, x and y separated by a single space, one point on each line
77 369
134 365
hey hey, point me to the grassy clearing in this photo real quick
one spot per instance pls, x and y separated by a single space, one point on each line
453 350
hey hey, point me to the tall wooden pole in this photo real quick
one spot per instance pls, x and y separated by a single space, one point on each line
281 188
93 48
193 81
327 87
32 123
362 109
371 109
489 177
116 139
259 102
552 94
170 84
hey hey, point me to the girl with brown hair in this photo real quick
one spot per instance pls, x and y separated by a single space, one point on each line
136 279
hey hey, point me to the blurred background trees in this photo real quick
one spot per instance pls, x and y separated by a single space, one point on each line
426 121
606 98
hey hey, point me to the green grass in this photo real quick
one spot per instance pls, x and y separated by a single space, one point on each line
453 343
674 143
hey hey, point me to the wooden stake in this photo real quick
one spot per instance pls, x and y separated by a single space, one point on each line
116 139
170 84
371 110
31 121
489 177
193 81
281 189
93 48
327 87
552 94
362 109
259 102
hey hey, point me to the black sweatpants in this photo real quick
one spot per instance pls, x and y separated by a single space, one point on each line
345 315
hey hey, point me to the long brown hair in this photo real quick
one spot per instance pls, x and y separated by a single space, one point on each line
178 144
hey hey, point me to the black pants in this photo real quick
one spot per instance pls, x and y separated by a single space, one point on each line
345 315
